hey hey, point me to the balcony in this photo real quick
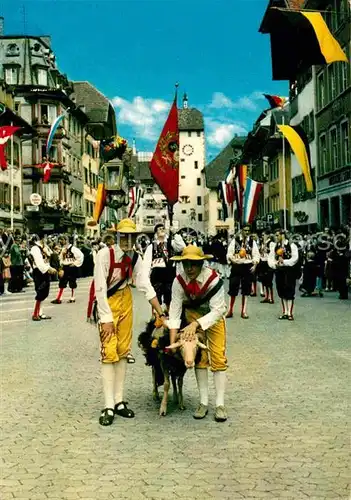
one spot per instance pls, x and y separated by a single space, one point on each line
42 129
35 173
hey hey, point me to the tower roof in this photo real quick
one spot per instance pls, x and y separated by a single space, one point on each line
190 119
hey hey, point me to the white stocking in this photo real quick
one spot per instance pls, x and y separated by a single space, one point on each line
108 382
120 375
220 379
202 384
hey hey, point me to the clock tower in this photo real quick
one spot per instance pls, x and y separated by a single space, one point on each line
189 211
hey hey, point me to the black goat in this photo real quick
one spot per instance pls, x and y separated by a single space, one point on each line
165 366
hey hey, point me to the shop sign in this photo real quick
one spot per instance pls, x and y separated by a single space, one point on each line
35 199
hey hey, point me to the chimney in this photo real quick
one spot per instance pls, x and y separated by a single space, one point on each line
185 101
2 20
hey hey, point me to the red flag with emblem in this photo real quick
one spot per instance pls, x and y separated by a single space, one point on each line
164 165
5 134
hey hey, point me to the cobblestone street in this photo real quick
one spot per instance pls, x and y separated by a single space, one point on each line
288 395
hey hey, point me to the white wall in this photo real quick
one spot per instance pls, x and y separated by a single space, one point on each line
306 101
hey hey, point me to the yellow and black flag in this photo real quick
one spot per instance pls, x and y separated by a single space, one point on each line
299 40
299 144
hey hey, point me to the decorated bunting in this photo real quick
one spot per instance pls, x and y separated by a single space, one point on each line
226 195
251 196
5 133
135 195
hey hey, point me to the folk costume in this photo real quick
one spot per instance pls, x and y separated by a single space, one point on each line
264 273
283 258
71 259
244 252
114 272
40 260
203 300
159 268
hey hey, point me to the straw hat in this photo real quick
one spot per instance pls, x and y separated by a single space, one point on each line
191 252
126 226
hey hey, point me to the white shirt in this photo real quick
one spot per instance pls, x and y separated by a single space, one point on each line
272 261
78 256
231 252
39 262
101 272
218 307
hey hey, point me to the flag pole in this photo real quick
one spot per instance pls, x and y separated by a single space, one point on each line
284 179
11 182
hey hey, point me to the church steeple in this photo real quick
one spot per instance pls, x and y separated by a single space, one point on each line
185 101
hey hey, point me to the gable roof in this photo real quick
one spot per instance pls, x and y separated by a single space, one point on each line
142 171
217 168
96 104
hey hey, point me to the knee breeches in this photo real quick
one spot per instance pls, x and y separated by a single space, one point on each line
121 304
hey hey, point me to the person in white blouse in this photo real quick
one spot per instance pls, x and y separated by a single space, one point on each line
283 258
198 302
39 256
116 268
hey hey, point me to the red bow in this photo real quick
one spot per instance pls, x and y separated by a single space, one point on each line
193 288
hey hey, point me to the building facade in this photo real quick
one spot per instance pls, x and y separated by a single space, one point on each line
11 189
215 173
333 120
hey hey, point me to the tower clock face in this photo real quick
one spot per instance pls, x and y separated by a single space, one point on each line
188 149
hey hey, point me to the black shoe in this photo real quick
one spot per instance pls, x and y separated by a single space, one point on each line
125 411
106 418
43 316
56 301
283 316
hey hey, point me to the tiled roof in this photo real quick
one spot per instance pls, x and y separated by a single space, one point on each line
217 168
190 119
96 104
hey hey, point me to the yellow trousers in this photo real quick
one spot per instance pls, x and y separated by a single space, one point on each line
121 304
215 337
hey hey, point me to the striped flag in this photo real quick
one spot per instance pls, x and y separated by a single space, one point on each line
135 195
226 195
251 196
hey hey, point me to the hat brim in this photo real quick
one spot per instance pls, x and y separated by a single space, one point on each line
126 230
191 257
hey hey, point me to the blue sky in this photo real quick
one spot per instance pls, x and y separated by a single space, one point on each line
135 50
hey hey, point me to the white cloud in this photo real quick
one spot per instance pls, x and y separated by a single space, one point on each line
220 100
219 134
145 116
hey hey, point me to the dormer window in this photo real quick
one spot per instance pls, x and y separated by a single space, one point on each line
12 50
12 75
42 76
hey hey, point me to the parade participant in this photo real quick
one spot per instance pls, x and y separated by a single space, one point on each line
115 268
198 302
40 257
243 255
157 266
254 274
71 258
283 258
264 272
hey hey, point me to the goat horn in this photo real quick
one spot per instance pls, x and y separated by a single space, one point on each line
202 346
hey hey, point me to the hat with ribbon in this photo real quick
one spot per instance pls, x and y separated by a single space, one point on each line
191 252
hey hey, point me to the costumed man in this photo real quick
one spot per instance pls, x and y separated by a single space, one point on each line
264 273
71 258
283 258
198 302
243 255
157 265
116 267
40 260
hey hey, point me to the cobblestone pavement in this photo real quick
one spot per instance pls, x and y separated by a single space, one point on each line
288 399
